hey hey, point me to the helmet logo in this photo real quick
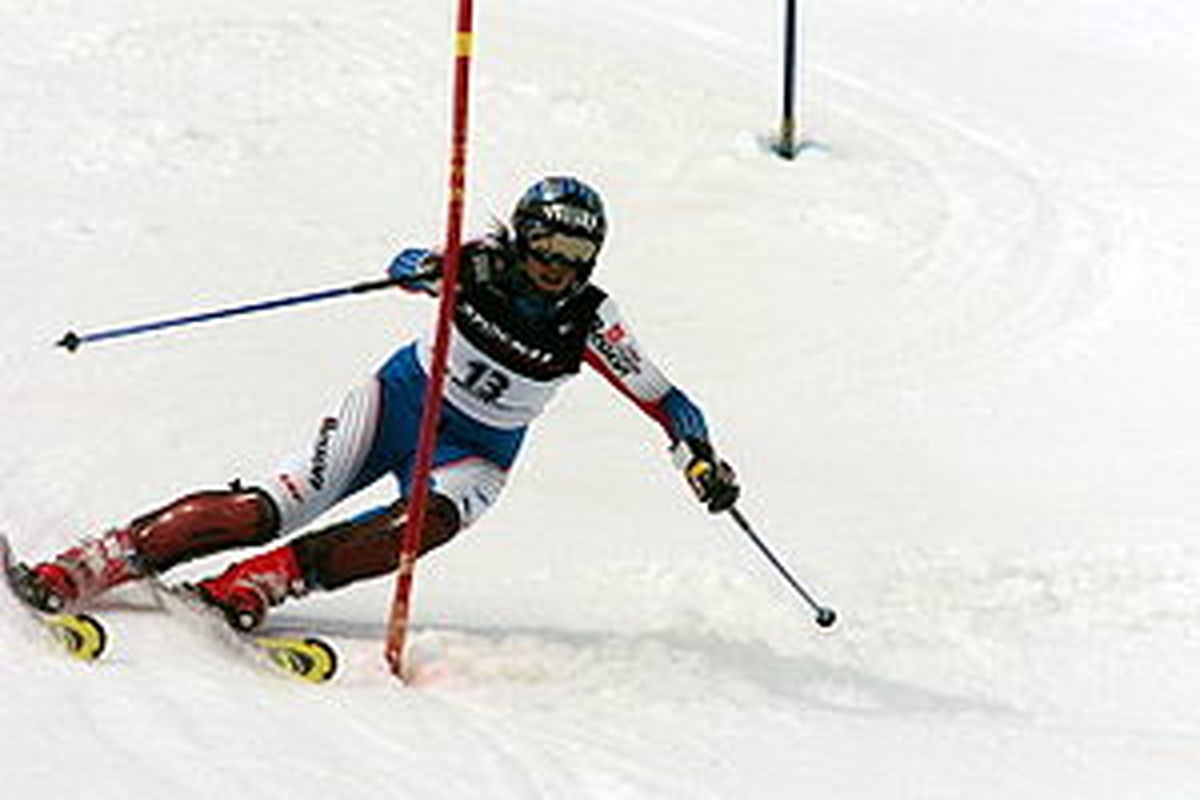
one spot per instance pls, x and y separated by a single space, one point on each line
571 216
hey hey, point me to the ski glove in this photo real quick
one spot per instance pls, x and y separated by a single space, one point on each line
711 478
419 270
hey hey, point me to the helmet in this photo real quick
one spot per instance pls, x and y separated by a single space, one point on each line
560 220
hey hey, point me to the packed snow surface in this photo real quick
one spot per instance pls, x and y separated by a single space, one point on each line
952 350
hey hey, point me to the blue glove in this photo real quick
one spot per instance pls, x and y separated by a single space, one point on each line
418 269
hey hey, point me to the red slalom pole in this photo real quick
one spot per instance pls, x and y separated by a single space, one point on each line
397 628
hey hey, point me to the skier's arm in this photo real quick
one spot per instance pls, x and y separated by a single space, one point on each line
614 352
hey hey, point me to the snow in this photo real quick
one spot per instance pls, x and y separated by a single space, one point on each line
951 351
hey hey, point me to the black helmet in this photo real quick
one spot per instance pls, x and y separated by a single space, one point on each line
561 220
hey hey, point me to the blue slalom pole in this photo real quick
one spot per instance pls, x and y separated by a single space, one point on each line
826 616
72 341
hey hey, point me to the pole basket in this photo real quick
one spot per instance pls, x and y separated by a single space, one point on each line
786 145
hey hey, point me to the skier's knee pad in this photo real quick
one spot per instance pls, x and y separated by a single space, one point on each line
203 523
370 546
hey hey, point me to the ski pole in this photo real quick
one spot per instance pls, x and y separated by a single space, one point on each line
826 616
72 341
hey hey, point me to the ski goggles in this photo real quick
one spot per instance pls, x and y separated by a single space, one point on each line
563 248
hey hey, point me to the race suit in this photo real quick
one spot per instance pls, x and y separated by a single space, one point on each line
503 368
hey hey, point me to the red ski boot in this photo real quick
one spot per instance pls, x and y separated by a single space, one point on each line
46 587
80 573
245 590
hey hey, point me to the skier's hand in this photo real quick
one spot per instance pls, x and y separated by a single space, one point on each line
712 479
418 270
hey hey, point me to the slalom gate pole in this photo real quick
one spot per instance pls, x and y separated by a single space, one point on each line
826 616
72 341
787 147
414 518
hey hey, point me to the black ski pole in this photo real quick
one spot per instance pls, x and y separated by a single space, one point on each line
826 616
72 341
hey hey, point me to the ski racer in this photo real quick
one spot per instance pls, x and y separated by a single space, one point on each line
527 317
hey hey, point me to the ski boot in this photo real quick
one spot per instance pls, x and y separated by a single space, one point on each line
45 587
245 590
80 573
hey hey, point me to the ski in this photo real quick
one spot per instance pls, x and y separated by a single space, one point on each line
84 637
81 636
307 658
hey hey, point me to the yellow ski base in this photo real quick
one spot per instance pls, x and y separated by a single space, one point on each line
80 635
308 659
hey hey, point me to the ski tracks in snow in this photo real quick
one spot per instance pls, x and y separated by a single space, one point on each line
1006 263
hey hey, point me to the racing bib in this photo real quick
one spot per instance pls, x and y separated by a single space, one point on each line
485 389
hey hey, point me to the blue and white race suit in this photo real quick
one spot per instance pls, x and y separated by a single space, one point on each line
503 369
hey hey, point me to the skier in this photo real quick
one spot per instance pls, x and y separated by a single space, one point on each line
526 318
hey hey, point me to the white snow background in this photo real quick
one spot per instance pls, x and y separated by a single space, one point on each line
953 352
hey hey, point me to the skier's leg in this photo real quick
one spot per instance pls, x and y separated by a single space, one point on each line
190 527
469 470
337 461
361 548
368 545
208 522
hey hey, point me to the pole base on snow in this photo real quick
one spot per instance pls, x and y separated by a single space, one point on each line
786 145
826 617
